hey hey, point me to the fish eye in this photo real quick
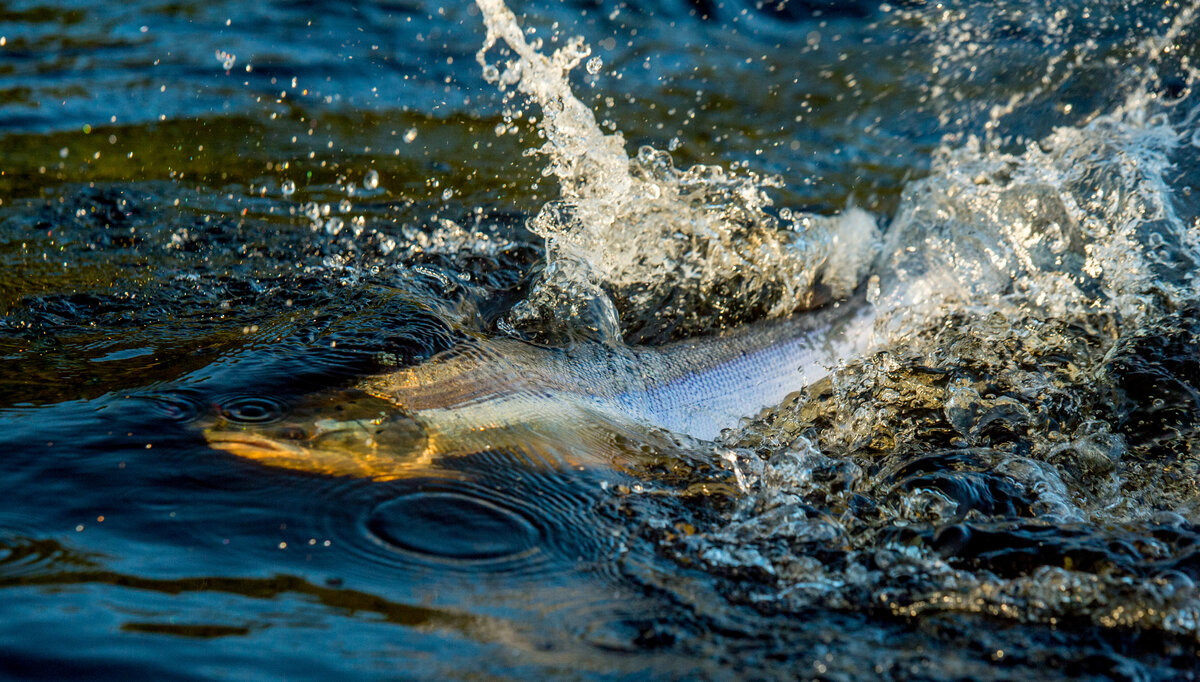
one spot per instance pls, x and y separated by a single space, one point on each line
252 409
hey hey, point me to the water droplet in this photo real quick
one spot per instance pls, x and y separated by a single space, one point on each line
288 188
410 135
371 180
594 65
227 59
333 225
447 194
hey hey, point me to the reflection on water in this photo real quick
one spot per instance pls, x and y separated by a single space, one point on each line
221 224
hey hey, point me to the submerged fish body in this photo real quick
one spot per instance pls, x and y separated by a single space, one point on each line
554 407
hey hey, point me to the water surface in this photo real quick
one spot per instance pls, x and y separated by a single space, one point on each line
231 213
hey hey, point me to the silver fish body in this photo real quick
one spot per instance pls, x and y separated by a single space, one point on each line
696 387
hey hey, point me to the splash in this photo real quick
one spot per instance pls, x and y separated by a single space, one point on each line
1002 454
1035 404
1082 220
639 249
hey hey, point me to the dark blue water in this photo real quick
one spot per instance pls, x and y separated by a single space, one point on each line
168 172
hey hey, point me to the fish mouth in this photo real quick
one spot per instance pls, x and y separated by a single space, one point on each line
216 436
247 444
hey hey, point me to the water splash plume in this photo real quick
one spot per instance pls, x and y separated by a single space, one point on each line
640 250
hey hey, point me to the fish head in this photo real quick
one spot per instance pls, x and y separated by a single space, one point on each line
368 438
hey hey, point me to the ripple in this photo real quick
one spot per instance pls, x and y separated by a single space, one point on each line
451 526
23 556
254 409
528 526
484 519
178 406
460 527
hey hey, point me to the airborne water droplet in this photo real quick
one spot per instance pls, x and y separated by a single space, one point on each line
371 180
594 65
410 135
288 188
227 59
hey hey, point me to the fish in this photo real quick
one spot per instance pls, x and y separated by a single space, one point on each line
585 405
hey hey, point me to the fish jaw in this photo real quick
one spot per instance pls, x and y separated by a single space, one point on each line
254 446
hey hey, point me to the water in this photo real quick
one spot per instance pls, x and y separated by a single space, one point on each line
232 216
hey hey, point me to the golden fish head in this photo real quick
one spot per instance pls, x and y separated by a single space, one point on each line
369 438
